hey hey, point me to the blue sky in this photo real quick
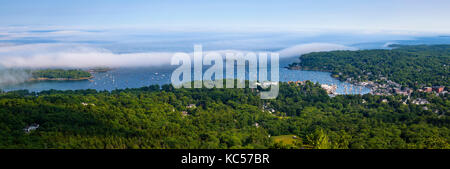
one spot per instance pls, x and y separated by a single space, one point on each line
369 15
79 33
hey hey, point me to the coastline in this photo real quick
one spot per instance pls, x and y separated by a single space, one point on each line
370 85
59 79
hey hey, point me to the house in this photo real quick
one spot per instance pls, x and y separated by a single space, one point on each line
438 89
267 84
190 106
184 113
420 101
266 108
399 91
405 91
331 89
86 104
30 128
427 89
300 82
409 90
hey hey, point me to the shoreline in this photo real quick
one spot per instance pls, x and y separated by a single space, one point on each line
375 87
35 80
59 79
359 84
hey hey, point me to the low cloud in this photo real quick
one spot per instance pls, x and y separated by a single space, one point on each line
67 55
297 50
387 44
13 76
81 56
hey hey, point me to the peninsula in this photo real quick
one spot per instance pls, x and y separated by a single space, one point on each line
401 70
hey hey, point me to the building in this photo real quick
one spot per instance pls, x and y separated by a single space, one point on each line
300 82
331 89
405 91
268 109
267 84
438 89
428 89
86 104
420 101
30 128
190 106
400 92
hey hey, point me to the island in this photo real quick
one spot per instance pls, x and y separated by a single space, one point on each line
99 70
60 75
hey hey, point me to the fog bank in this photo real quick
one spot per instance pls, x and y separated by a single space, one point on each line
83 56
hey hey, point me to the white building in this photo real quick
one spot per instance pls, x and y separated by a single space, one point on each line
30 128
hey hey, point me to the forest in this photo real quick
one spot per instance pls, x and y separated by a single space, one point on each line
413 66
303 116
162 117
60 74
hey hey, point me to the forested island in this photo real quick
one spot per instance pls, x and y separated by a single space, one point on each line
303 116
60 74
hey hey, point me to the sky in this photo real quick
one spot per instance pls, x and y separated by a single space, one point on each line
365 15
87 33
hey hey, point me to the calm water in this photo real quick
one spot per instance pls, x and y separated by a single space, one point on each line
144 76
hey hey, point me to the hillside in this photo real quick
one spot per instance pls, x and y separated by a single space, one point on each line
410 66
154 117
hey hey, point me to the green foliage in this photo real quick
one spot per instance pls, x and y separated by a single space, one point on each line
412 66
319 140
151 117
61 73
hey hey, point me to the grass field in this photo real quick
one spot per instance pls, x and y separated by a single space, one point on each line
290 141
285 139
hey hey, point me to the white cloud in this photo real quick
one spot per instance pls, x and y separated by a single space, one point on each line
70 55
76 55
387 44
301 49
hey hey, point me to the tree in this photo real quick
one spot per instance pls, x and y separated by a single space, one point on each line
319 140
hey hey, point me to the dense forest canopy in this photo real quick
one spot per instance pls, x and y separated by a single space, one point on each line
154 117
411 66
60 73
